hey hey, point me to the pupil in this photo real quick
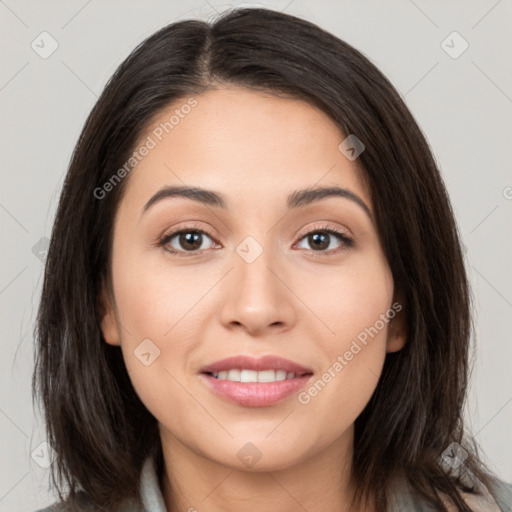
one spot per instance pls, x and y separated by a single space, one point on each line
319 240
191 239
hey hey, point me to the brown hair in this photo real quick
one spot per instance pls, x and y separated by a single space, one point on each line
101 431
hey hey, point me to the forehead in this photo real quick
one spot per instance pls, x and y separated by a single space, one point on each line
247 144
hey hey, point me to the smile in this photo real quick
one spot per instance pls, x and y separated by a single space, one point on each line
254 376
253 392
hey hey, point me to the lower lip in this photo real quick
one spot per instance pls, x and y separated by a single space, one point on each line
255 394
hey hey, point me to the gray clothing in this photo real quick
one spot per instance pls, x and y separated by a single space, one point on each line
403 501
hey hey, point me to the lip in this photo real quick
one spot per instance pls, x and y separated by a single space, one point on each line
255 394
257 364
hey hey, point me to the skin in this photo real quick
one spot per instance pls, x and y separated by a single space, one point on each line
292 301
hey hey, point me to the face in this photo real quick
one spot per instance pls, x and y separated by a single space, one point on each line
253 273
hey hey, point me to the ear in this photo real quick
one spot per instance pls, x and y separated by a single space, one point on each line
397 330
109 325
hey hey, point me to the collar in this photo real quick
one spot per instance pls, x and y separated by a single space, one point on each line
151 494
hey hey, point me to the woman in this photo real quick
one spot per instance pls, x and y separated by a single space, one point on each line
255 296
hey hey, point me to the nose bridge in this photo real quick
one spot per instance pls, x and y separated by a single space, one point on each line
257 296
255 267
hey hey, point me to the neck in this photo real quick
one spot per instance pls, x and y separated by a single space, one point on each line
192 482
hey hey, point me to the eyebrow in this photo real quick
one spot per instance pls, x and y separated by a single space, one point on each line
297 199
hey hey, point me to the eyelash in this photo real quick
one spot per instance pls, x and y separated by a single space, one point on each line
347 241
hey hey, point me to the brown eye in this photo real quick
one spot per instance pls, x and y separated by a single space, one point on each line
321 240
185 241
191 240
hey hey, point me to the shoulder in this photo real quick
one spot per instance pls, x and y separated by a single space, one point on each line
498 498
85 505
503 492
56 507
82 501
60 507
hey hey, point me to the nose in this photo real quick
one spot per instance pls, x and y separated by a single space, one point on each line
258 297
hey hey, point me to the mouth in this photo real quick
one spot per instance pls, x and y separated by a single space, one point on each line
244 375
267 363
253 382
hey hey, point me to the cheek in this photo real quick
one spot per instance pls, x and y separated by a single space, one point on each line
154 299
355 306
155 348
350 300
160 315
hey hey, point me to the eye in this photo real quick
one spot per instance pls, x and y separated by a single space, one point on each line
190 240
186 240
321 237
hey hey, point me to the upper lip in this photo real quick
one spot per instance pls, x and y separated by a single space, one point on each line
258 364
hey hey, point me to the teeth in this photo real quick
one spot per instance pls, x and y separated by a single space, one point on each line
280 375
267 376
248 376
254 376
233 375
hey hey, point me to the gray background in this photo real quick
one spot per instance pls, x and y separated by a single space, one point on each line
463 104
